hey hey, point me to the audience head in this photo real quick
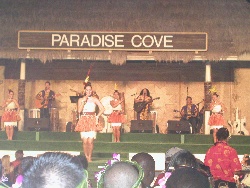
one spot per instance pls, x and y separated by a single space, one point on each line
122 175
185 159
222 134
186 173
6 166
19 154
148 165
83 160
187 177
54 169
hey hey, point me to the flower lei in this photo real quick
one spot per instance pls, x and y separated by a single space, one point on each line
98 175
116 158
163 180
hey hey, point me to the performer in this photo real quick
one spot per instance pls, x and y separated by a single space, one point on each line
143 101
216 120
10 114
88 120
116 118
189 112
44 100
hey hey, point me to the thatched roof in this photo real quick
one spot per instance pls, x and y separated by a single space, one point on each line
227 23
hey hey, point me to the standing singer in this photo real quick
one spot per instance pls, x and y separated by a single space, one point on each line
88 120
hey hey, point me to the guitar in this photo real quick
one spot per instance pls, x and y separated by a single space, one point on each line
186 116
138 107
40 102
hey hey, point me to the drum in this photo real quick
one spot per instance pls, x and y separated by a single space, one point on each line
106 103
54 119
34 113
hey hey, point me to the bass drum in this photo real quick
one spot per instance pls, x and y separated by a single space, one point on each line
106 103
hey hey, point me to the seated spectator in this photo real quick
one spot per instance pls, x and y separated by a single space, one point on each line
246 179
147 163
17 162
7 171
83 160
245 158
223 160
121 175
54 169
23 167
186 173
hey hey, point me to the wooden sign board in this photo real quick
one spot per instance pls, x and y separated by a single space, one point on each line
126 41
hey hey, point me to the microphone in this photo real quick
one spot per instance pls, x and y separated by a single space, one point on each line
133 94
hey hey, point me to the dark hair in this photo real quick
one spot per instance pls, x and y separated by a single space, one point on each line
10 91
148 93
83 160
188 97
222 134
87 84
26 163
186 159
54 169
186 178
216 94
47 82
248 162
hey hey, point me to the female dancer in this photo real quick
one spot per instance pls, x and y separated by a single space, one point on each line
88 120
9 117
216 120
116 118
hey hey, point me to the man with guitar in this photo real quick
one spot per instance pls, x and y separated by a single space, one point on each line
44 100
142 105
189 112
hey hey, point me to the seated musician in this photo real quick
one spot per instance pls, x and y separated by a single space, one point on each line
189 112
142 105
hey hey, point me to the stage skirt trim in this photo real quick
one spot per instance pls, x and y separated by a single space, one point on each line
90 134
86 123
216 119
9 118
116 117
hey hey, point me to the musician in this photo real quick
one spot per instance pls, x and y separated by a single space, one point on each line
216 120
146 99
116 118
189 112
45 98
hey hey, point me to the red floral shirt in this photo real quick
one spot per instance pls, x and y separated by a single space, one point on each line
223 161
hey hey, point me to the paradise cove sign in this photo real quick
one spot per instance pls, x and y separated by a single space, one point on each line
126 41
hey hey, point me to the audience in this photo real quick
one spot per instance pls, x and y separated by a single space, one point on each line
55 170
17 162
147 163
186 173
223 160
7 171
245 158
183 170
122 175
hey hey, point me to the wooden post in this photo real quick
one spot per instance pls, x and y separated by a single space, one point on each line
207 97
21 94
